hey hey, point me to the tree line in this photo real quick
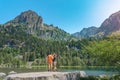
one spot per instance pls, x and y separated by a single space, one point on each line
17 48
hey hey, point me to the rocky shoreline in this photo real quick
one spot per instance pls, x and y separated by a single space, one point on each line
77 75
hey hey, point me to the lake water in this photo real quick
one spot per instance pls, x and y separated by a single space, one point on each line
88 72
95 72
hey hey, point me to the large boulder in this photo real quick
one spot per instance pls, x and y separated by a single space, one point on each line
47 76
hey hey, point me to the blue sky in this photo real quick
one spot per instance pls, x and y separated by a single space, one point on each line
69 15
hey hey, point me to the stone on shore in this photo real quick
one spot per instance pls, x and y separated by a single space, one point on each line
12 72
2 74
47 76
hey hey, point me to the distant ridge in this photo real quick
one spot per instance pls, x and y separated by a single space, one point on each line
110 26
86 32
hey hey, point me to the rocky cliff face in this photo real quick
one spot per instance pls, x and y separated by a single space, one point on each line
110 25
30 19
86 32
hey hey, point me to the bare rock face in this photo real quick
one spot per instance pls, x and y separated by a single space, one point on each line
47 76
110 25
30 19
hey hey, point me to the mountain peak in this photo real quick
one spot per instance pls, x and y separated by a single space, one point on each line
29 11
29 14
29 18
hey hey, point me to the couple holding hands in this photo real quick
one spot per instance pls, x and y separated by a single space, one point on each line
52 62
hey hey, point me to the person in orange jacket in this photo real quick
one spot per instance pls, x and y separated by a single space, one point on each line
50 62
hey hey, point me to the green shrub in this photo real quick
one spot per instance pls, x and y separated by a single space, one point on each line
89 78
116 77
